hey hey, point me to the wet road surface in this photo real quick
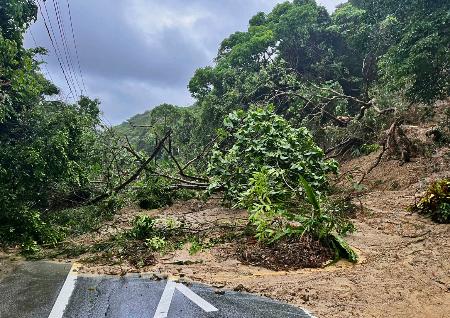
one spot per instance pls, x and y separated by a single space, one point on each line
42 289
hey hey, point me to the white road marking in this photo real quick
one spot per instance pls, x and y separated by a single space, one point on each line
203 304
162 310
308 313
64 295
164 304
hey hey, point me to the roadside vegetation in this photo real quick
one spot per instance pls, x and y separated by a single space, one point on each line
284 102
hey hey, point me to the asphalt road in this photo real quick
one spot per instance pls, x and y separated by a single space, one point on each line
41 289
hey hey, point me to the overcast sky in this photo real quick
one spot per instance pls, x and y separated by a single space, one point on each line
137 54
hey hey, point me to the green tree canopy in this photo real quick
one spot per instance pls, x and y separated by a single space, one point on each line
46 147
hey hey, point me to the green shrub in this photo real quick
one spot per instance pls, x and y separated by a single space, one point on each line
366 149
436 202
158 235
30 247
152 193
146 227
143 227
155 192
260 138
275 172
82 219
29 227
276 217
111 205
156 243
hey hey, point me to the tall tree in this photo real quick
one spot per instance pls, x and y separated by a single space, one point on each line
45 146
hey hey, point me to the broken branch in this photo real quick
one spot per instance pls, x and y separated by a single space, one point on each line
135 175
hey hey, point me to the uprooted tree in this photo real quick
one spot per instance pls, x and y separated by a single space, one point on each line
259 162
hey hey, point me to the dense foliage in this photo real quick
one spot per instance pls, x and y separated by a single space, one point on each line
259 139
340 75
317 68
332 73
45 146
411 40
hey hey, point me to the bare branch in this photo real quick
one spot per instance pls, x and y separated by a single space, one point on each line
189 186
135 175
205 150
180 169
375 164
343 146
130 149
188 182
336 93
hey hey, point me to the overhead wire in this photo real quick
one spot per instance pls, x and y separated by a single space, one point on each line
65 50
67 41
60 52
54 44
67 68
76 46
44 64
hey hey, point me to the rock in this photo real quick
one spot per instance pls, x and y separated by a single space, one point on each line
239 288
219 292
218 285
157 276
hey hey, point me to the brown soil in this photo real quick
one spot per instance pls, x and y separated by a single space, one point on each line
286 254
404 267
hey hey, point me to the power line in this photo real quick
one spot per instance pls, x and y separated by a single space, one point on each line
76 47
65 66
65 50
66 45
53 40
55 47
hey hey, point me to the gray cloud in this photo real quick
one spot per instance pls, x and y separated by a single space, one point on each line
136 54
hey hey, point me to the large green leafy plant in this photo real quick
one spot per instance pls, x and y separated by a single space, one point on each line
260 138
301 211
275 172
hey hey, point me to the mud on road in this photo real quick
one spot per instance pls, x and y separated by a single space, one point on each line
403 271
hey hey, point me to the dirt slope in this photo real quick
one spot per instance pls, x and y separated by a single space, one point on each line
404 268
